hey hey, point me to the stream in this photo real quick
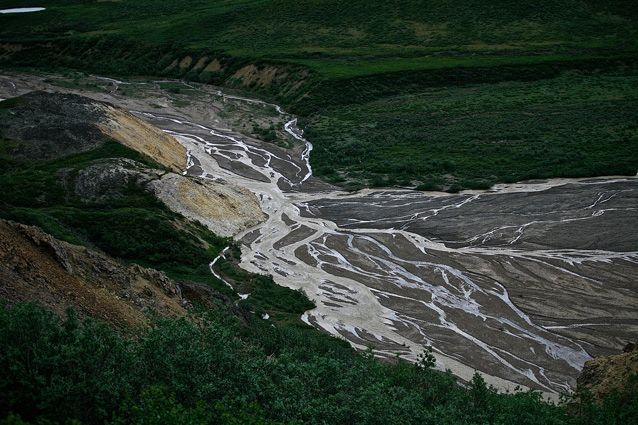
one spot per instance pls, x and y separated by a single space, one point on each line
523 282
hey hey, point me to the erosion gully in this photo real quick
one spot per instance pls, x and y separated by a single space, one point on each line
523 282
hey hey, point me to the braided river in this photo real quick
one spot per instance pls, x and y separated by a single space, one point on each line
523 282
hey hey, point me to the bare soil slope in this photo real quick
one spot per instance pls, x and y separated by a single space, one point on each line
36 266
51 125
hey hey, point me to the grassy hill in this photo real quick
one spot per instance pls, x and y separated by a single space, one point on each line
372 36
320 58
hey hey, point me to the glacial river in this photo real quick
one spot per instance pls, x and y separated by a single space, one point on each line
523 283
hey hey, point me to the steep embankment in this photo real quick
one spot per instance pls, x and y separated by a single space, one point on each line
133 132
604 375
36 266
68 170
44 126
51 125
225 209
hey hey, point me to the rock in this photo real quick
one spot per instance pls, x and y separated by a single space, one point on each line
48 125
137 134
603 375
52 125
109 178
52 245
225 209
36 266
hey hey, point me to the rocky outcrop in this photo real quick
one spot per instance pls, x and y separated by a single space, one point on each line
51 125
603 375
137 134
224 208
109 178
36 266
47 125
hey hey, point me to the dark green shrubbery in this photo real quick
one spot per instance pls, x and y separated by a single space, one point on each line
207 369
451 138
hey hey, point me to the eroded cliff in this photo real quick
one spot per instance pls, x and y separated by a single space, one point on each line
47 125
604 375
36 266
42 125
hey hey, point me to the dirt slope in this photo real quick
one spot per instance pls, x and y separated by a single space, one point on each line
36 266
50 125
603 375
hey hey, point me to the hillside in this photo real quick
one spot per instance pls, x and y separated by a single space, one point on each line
36 266
414 89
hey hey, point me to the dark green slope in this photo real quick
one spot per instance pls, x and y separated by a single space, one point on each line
277 28
357 63
207 369
356 37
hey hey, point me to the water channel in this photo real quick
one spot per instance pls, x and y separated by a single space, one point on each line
523 282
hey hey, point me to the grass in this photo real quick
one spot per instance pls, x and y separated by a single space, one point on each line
355 64
473 136
339 69
328 34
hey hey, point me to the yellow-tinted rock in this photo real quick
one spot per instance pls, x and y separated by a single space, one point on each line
137 134
225 209
604 374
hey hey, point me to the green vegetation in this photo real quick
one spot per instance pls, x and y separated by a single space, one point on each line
473 136
374 66
208 368
265 134
339 31
331 40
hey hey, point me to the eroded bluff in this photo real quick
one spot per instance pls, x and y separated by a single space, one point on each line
225 209
603 375
51 125
36 266
46 125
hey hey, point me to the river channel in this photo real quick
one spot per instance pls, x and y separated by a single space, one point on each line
523 282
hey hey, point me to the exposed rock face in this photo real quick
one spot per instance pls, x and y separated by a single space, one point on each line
224 208
109 178
137 134
36 266
52 125
47 125
604 374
